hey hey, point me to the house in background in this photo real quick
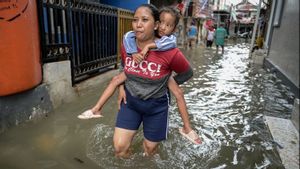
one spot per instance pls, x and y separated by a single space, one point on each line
245 17
221 13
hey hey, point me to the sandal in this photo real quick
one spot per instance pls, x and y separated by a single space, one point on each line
192 136
88 114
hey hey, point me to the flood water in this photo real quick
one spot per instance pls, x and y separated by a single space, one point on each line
226 99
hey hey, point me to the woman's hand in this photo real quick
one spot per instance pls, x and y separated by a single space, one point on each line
122 96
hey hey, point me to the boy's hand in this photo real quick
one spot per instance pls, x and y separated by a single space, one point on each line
144 52
137 57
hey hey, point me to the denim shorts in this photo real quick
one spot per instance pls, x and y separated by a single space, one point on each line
153 113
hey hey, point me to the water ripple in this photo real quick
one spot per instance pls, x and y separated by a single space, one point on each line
226 100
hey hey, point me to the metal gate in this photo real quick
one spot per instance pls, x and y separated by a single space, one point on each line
84 32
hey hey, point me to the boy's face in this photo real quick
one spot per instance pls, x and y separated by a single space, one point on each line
166 25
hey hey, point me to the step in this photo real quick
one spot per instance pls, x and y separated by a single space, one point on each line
286 135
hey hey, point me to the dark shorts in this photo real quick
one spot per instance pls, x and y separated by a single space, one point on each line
153 113
209 43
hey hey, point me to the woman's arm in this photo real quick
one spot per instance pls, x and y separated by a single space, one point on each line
122 96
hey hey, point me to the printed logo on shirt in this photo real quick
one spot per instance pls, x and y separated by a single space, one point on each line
144 68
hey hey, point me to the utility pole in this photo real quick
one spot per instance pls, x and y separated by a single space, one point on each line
218 8
255 27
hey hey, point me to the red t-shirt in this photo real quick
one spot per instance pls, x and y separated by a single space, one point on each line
148 79
157 65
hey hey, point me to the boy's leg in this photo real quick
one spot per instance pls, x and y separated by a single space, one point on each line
109 91
176 90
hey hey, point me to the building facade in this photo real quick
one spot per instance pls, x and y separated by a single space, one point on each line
282 42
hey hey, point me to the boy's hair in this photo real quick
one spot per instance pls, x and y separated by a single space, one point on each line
174 12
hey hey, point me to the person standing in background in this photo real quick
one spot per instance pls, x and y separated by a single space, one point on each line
220 35
192 35
210 36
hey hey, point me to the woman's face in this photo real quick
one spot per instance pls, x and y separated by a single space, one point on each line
143 24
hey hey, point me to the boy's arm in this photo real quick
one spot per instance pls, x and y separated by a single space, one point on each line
162 44
166 43
147 48
129 42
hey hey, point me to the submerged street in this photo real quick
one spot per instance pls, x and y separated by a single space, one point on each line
227 99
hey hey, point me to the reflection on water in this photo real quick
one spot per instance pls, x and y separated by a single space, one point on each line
226 99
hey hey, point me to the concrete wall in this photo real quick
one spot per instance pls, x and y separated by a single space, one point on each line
55 90
284 47
57 76
29 105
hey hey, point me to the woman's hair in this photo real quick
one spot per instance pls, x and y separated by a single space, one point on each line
174 12
153 9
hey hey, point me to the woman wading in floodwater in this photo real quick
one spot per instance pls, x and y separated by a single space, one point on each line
146 92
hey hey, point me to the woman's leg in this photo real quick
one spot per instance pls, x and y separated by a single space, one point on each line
150 148
128 121
122 141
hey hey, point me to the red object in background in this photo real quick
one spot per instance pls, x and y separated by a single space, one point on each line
209 23
211 28
180 7
20 67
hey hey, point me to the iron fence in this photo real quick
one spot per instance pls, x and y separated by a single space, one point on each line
124 20
85 32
